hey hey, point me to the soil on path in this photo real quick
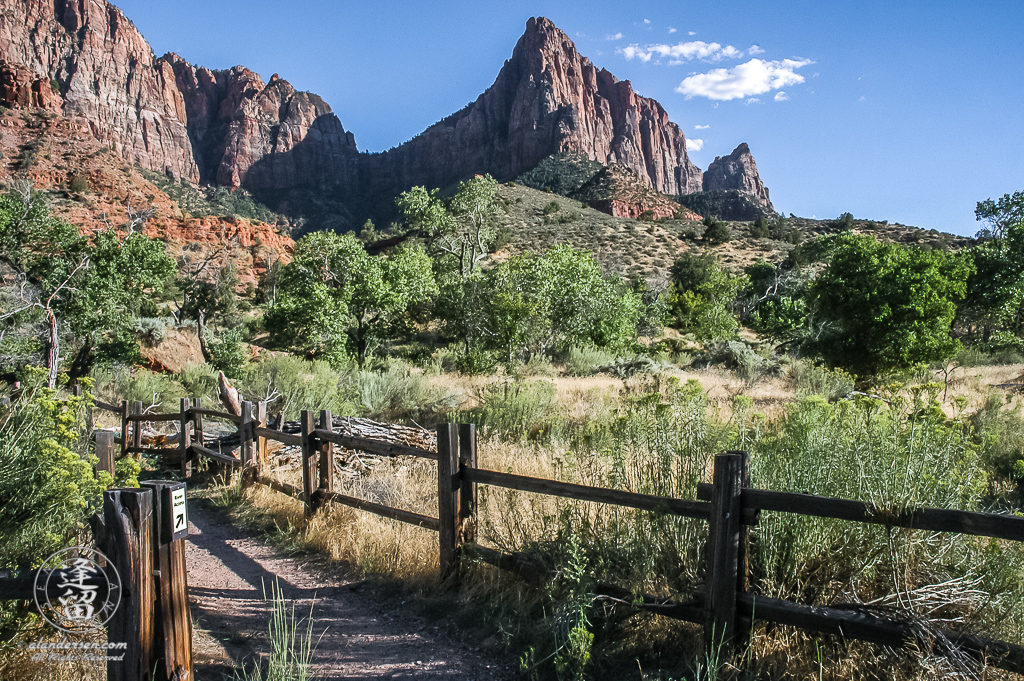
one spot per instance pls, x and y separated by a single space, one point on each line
363 632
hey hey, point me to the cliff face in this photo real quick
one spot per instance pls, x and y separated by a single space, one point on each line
737 171
261 136
226 127
546 99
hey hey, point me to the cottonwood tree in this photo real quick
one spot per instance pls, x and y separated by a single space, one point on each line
335 299
702 297
886 307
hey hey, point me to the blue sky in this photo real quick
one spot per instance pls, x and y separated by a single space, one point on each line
908 112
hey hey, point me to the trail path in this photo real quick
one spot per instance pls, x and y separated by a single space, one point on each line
367 634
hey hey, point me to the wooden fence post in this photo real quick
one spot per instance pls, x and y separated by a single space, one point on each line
172 617
245 434
184 437
309 472
124 428
326 454
448 497
197 423
261 442
467 491
723 556
127 517
105 452
137 431
743 624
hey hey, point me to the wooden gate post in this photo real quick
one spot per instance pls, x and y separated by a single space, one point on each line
105 453
326 454
448 497
137 431
185 437
723 556
197 423
172 622
127 517
467 489
309 472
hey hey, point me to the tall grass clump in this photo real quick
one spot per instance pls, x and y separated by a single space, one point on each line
291 649
398 392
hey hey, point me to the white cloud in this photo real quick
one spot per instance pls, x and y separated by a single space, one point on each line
682 52
755 49
647 21
693 32
754 77
672 30
752 100
701 127
781 96
613 36
694 144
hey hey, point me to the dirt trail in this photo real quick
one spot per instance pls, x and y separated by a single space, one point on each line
366 634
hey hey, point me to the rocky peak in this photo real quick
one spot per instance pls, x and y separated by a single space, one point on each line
737 171
546 99
622 193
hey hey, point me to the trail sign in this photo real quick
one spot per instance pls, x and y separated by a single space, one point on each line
171 504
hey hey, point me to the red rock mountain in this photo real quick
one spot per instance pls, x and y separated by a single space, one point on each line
547 99
737 171
87 60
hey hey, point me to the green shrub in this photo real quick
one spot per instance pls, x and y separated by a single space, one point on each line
717 232
228 352
551 208
300 385
810 379
78 184
515 410
999 432
152 330
584 361
116 382
47 486
397 392
199 380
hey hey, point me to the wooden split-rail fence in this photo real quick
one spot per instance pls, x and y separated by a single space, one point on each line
727 607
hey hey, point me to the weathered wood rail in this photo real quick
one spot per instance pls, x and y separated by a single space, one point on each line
726 607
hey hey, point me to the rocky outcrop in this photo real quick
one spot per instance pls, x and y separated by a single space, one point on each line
21 88
261 136
737 171
546 99
622 193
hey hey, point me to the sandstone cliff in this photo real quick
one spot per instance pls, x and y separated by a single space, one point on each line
226 127
546 99
737 171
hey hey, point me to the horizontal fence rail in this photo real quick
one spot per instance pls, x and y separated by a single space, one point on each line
996 525
603 495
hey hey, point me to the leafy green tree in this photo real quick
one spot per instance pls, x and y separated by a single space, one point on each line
995 290
335 298
702 297
92 288
774 302
884 307
535 303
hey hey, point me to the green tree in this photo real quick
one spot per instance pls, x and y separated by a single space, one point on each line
702 297
884 307
335 298
91 288
995 290
716 232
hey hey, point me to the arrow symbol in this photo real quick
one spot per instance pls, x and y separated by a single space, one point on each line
179 521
